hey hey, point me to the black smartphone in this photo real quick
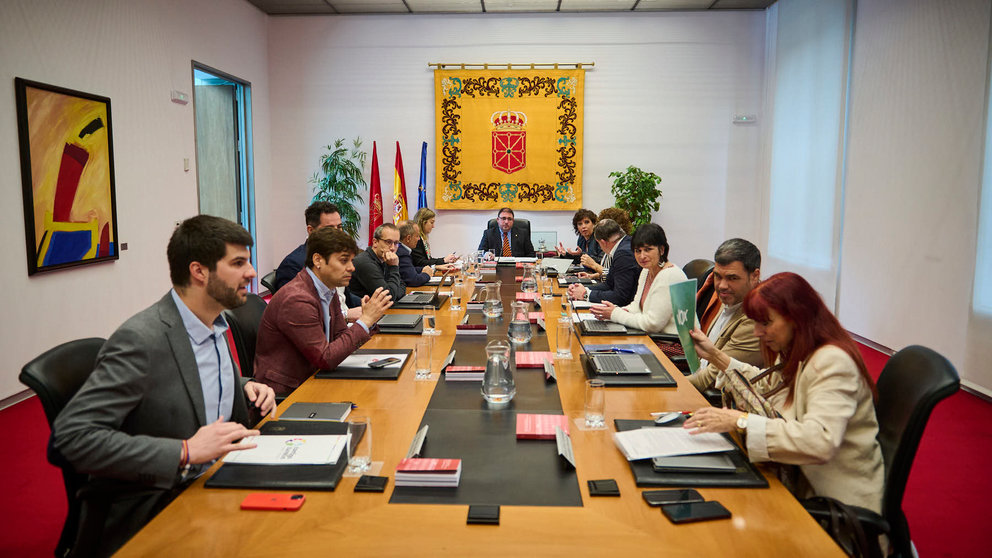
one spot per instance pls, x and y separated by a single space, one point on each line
384 362
695 511
677 496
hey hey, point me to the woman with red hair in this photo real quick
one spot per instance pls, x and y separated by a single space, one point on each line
813 409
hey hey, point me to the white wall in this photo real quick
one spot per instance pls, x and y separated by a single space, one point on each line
661 96
135 52
914 171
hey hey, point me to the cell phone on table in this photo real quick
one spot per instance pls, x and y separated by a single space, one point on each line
695 511
383 363
677 496
273 501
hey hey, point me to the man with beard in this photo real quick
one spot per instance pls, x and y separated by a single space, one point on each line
164 400
736 270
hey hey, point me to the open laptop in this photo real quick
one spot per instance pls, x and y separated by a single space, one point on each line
618 363
423 298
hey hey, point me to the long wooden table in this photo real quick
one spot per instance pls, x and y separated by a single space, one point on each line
208 522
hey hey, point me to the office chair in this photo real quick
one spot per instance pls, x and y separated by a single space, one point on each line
912 383
269 281
244 321
698 269
55 376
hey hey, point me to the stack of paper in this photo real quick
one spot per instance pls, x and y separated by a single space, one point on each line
533 359
529 297
464 373
471 329
290 450
429 472
540 427
649 442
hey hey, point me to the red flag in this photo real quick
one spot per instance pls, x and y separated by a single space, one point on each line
375 197
399 189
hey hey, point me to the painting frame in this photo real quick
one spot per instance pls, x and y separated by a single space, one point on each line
67 176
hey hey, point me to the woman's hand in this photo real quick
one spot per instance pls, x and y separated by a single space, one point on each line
706 349
712 419
450 258
603 311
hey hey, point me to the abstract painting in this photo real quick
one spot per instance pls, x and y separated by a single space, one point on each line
67 173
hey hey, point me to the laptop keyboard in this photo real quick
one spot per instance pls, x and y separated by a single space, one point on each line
415 297
611 362
596 325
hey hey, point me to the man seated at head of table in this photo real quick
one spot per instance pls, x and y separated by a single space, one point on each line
411 276
583 222
505 239
814 409
377 267
620 282
165 399
651 309
736 270
302 330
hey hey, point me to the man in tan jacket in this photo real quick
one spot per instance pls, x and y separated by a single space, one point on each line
736 270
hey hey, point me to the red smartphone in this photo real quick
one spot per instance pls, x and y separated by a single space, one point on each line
272 501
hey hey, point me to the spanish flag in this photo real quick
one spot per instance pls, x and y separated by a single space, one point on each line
399 189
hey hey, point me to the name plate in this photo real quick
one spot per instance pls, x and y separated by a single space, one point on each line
417 445
564 448
549 372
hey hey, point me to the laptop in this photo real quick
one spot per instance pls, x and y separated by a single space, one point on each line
421 298
408 324
617 364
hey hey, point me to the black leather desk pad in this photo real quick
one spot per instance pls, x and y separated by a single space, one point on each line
533 393
342 373
746 475
286 477
659 377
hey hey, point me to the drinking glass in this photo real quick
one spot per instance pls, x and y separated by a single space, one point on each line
564 338
595 407
547 291
359 458
457 292
429 317
422 357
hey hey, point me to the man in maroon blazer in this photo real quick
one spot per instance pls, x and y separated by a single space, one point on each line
302 329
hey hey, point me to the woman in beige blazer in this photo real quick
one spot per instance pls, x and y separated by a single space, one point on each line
820 394
651 309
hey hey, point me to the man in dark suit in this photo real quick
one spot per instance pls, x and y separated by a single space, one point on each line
302 331
506 240
164 399
620 283
378 266
411 276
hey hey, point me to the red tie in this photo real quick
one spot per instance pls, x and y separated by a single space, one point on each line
506 245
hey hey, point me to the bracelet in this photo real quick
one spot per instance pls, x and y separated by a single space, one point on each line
184 458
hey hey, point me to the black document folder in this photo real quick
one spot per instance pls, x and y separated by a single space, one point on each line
366 373
286 477
745 474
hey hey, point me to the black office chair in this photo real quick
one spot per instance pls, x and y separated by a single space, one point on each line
912 383
699 269
55 376
244 321
269 281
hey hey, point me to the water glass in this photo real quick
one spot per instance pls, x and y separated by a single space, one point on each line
547 292
457 292
359 458
429 317
422 357
564 338
595 407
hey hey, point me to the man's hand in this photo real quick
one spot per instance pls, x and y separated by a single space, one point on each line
603 310
354 313
428 270
391 258
262 396
587 261
707 350
444 267
373 307
576 292
214 440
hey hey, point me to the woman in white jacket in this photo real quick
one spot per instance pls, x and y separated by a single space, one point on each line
651 309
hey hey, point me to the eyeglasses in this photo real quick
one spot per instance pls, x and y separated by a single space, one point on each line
504 218
388 242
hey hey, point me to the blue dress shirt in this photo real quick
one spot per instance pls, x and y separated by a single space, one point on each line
213 360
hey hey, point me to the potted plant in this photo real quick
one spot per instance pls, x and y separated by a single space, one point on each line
340 181
637 193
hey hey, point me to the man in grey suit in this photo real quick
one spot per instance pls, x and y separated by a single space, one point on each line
165 400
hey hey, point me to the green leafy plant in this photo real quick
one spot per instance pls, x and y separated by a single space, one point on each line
637 193
340 181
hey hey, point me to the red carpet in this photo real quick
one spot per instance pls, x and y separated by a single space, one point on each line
945 500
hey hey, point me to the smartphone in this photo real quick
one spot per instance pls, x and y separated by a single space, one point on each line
677 496
272 501
384 362
695 511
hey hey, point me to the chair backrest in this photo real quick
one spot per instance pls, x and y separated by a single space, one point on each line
244 321
913 381
521 224
698 269
55 376
269 281
58 373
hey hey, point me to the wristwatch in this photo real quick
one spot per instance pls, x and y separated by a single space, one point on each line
742 422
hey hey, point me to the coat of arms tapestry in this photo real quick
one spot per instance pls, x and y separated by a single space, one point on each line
509 138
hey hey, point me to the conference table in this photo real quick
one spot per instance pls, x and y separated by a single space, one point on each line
765 522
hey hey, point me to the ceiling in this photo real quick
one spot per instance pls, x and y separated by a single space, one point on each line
310 7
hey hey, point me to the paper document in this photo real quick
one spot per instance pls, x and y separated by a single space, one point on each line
645 443
363 360
290 450
582 304
579 316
